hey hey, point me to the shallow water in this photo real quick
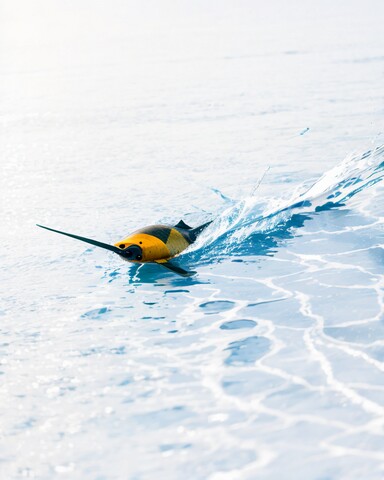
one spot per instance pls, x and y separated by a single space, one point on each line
267 119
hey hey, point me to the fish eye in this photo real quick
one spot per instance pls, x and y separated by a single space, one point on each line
122 245
141 243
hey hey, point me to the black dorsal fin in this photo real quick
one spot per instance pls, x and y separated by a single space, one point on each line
182 224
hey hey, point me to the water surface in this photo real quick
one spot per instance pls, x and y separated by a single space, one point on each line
267 118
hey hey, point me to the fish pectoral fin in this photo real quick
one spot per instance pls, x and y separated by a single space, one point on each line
175 268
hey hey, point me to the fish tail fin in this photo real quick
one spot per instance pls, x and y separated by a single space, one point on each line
195 232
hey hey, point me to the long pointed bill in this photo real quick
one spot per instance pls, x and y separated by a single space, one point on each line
86 240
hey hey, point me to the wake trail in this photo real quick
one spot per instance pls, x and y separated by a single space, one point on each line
251 221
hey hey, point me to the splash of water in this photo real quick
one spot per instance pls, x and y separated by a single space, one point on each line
255 226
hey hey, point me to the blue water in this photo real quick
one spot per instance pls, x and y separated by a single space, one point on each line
268 120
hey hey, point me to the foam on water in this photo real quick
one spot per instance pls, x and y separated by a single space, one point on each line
253 226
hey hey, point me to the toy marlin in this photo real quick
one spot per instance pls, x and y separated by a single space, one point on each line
153 244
